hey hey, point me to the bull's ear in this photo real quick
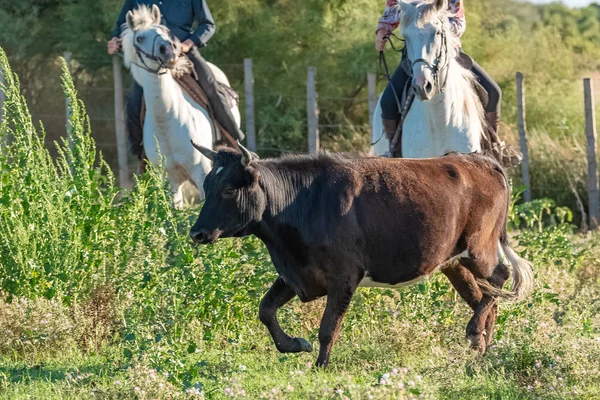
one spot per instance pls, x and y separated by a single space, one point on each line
251 176
156 14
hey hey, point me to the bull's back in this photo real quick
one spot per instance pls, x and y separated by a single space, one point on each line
412 214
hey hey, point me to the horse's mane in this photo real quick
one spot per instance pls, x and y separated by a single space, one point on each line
420 14
142 20
423 13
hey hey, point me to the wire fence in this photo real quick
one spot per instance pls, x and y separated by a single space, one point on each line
336 115
98 97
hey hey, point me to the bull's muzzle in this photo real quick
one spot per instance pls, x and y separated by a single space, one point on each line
204 236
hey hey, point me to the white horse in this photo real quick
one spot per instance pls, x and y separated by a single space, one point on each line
447 114
173 118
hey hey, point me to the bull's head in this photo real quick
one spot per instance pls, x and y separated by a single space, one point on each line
234 199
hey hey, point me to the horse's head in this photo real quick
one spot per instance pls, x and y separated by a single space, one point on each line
147 43
430 45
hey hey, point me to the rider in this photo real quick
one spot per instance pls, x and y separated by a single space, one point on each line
390 113
179 16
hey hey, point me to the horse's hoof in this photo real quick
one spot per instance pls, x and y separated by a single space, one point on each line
303 344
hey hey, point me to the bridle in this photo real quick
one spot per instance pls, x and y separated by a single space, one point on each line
437 68
142 55
440 63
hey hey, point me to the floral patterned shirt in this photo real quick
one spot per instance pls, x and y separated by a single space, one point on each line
391 16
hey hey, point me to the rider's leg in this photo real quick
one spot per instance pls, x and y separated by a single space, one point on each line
134 124
492 110
390 114
209 84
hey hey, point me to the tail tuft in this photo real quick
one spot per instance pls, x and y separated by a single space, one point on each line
523 277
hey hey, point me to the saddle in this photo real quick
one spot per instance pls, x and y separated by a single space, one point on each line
190 86
491 144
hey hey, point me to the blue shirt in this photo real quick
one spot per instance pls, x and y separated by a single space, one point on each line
179 16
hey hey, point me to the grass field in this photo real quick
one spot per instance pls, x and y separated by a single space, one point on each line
395 344
106 297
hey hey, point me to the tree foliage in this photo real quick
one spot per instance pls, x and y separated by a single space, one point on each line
550 44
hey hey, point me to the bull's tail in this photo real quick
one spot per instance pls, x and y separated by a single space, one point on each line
522 270
522 274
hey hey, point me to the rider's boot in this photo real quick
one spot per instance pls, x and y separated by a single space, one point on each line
493 120
507 155
390 126
208 83
133 122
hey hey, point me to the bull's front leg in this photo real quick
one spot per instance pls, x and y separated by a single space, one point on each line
280 294
339 294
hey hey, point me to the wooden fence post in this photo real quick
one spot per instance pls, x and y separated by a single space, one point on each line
312 111
67 57
249 92
371 84
523 136
2 96
120 123
590 135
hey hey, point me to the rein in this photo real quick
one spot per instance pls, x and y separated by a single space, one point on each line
409 96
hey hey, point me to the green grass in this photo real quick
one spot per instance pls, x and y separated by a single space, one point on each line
548 348
106 297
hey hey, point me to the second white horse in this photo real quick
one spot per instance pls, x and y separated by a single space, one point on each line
173 118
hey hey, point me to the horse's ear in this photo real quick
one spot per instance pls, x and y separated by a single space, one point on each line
129 19
441 4
156 14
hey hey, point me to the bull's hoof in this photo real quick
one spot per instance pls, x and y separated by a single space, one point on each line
304 345
295 345
477 343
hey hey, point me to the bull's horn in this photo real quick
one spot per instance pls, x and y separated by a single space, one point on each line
208 153
246 155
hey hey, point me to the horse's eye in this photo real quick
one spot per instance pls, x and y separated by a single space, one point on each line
139 39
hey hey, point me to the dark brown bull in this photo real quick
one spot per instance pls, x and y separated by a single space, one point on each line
333 223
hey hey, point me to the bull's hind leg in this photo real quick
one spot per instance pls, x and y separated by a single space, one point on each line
280 294
465 284
498 279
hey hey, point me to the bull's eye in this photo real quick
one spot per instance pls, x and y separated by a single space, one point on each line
228 193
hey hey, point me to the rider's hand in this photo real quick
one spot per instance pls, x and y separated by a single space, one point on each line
382 38
113 45
187 45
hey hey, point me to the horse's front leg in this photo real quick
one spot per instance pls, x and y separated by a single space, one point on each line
177 180
198 173
280 294
178 197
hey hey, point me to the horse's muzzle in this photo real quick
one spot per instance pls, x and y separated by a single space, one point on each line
425 91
